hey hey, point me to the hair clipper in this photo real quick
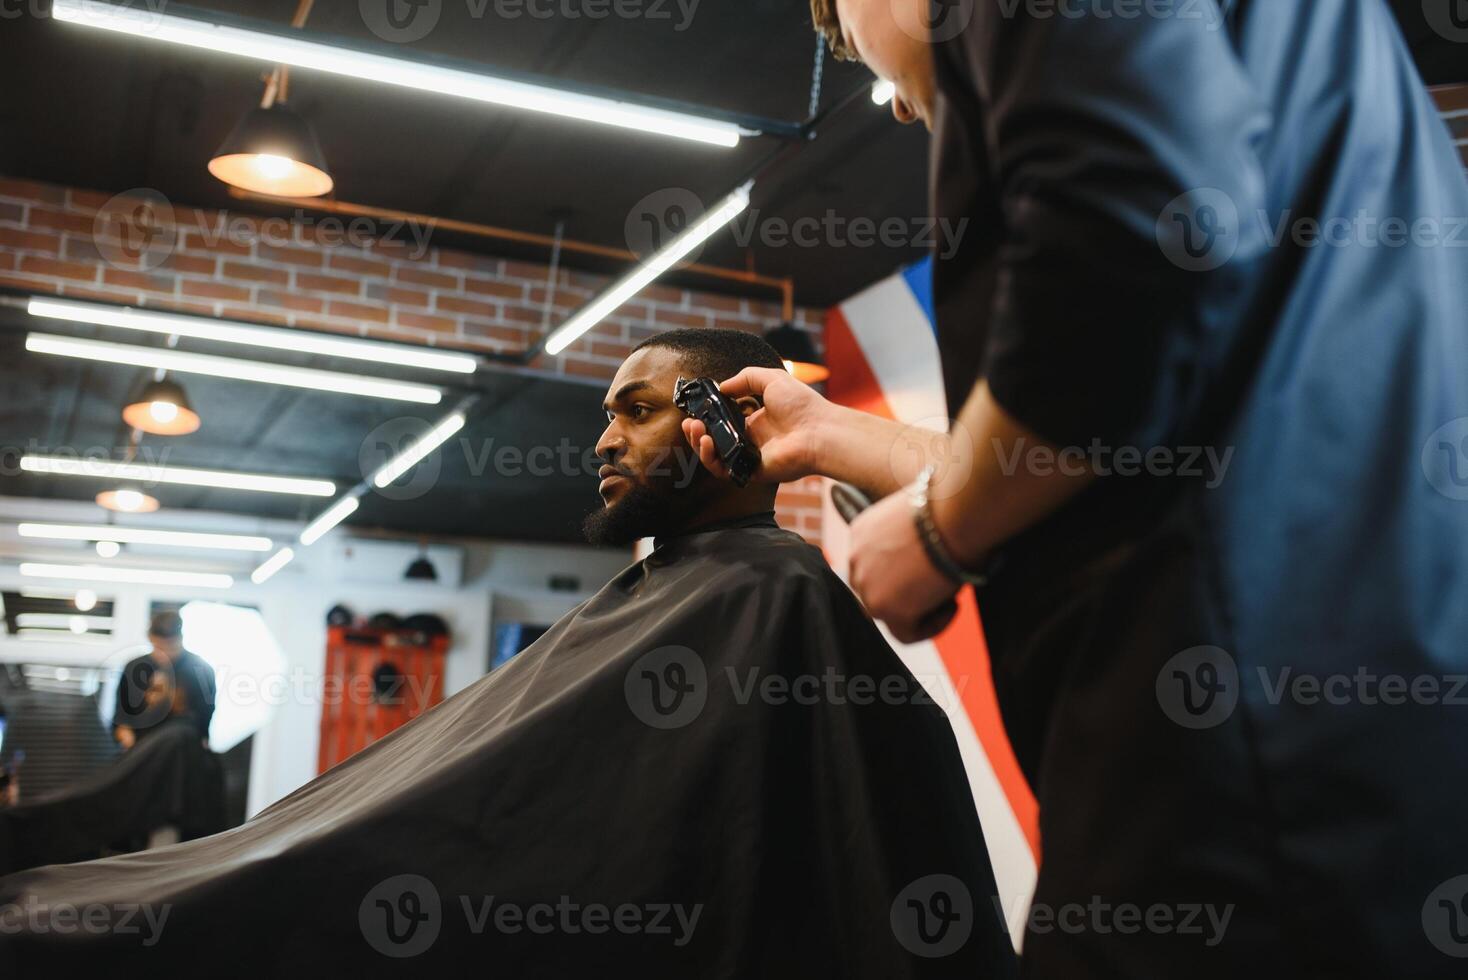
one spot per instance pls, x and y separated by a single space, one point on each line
701 399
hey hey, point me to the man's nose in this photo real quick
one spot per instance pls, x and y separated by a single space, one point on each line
611 445
903 112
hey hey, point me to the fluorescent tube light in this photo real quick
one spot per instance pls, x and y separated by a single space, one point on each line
139 535
112 573
637 280
143 473
233 368
410 457
62 621
883 92
148 22
272 565
329 519
228 332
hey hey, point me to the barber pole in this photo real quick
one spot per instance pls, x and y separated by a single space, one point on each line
882 350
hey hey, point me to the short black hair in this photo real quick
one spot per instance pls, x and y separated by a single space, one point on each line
715 353
166 625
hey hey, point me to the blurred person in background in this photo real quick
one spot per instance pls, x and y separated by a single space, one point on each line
189 681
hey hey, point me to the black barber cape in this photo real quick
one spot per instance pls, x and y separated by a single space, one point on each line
686 777
168 779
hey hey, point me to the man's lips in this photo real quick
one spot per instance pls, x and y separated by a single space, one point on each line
609 473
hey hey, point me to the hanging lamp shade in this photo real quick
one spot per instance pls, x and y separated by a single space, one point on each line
162 409
422 570
273 151
799 354
127 500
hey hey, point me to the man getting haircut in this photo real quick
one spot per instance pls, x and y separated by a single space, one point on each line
714 767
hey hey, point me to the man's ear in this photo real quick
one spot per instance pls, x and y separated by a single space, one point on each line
748 405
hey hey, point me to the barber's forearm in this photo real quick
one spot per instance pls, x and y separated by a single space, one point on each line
876 455
993 495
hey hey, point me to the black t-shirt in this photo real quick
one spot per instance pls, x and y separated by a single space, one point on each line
191 674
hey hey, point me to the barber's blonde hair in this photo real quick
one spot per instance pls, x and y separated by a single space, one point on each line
823 15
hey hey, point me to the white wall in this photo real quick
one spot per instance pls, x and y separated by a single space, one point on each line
504 580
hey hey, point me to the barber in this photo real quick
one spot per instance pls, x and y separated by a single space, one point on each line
187 688
1124 293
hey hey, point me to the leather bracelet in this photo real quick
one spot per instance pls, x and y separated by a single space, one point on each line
927 531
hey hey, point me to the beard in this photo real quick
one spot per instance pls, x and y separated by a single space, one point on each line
649 508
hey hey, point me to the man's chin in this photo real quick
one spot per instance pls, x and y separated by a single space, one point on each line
633 513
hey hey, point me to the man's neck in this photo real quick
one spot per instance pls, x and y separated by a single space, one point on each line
730 508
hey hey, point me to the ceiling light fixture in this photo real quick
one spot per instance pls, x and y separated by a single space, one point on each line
232 368
85 601
300 52
411 456
126 500
112 573
162 409
231 332
883 92
143 473
329 519
272 565
273 151
799 353
40 620
108 549
140 535
638 279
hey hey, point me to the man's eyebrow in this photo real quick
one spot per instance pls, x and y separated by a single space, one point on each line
627 389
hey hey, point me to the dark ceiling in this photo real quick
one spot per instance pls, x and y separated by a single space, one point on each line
112 113
487 485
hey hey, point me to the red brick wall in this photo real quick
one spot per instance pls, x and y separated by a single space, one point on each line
241 266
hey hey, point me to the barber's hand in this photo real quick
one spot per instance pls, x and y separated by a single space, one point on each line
893 576
783 429
125 736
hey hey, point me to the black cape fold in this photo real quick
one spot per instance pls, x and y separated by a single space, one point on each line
169 779
807 835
